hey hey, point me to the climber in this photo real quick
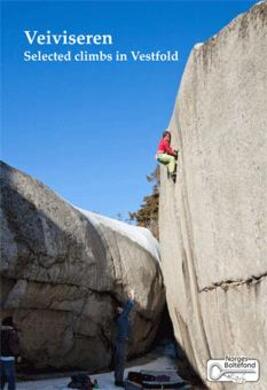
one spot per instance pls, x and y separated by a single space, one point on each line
123 332
166 155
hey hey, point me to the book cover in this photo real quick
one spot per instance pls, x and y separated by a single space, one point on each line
133 194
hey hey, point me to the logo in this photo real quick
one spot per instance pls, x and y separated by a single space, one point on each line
233 369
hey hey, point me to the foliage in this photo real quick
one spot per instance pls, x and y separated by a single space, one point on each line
147 215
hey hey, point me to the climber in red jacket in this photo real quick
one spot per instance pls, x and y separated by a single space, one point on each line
166 155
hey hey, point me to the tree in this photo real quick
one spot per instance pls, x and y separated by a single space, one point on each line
147 215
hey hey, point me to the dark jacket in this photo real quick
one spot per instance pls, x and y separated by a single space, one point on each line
9 341
122 322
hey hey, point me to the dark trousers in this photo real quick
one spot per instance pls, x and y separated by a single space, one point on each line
8 374
120 359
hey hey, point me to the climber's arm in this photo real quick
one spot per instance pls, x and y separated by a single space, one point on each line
169 149
129 304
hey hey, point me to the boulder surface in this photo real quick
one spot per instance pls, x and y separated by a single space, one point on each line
63 272
213 219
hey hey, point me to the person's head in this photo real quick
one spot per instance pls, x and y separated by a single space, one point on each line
8 321
167 136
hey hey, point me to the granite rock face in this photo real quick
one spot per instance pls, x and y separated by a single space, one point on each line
64 270
213 219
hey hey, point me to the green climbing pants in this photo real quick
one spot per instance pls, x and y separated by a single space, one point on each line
168 160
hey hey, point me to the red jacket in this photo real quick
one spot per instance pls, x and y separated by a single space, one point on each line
164 147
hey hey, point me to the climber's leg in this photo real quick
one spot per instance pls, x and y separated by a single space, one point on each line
166 159
172 165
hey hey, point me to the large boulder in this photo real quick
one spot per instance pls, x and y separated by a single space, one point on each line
213 219
64 270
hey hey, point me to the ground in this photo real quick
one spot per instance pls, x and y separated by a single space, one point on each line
106 380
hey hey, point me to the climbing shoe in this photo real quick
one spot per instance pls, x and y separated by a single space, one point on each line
174 177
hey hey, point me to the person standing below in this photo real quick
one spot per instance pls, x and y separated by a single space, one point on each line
123 332
166 155
9 351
